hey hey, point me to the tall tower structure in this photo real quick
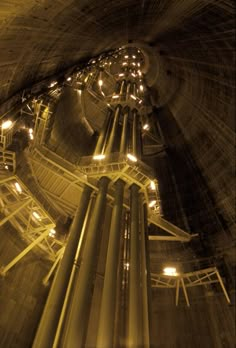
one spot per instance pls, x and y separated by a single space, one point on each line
101 292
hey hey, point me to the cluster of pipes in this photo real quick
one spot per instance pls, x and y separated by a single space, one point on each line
124 310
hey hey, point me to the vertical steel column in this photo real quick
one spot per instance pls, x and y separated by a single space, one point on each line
128 90
101 139
108 304
49 320
135 150
123 142
144 280
122 87
113 133
76 323
134 308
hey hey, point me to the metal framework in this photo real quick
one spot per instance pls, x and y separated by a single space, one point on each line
202 277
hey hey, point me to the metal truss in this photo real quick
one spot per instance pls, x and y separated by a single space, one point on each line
19 207
202 277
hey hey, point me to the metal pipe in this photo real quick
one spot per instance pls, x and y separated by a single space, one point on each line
51 314
123 142
113 133
134 272
108 304
102 136
135 133
122 87
77 319
144 280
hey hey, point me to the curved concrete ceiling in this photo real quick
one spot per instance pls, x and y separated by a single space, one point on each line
192 43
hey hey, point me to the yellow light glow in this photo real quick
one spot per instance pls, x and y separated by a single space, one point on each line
133 97
52 233
7 124
152 185
100 83
18 187
6 167
141 88
99 157
36 215
121 74
125 63
134 57
68 79
132 157
146 126
133 74
126 56
53 83
152 203
170 271
115 96
30 131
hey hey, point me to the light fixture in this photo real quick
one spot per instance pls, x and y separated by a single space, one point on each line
6 167
152 185
134 64
115 96
139 72
36 215
100 83
53 83
151 204
18 187
141 88
7 124
68 79
99 157
30 131
138 64
146 126
52 233
31 136
121 74
170 271
126 56
134 57
133 74
125 63
132 157
133 97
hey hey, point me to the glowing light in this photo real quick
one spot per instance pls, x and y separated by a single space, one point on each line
7 124
36 215
6 167
141 88
30 131
125 63
133 74
121 74
100 83
31 136
146 126
115 96
132 157
134 64
138 64
52 233
134 57
94 61
170 271
53 83
152 185
140 101
18 187
133 97
126 266
68 79
99 157
139 72
152 203
126 56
